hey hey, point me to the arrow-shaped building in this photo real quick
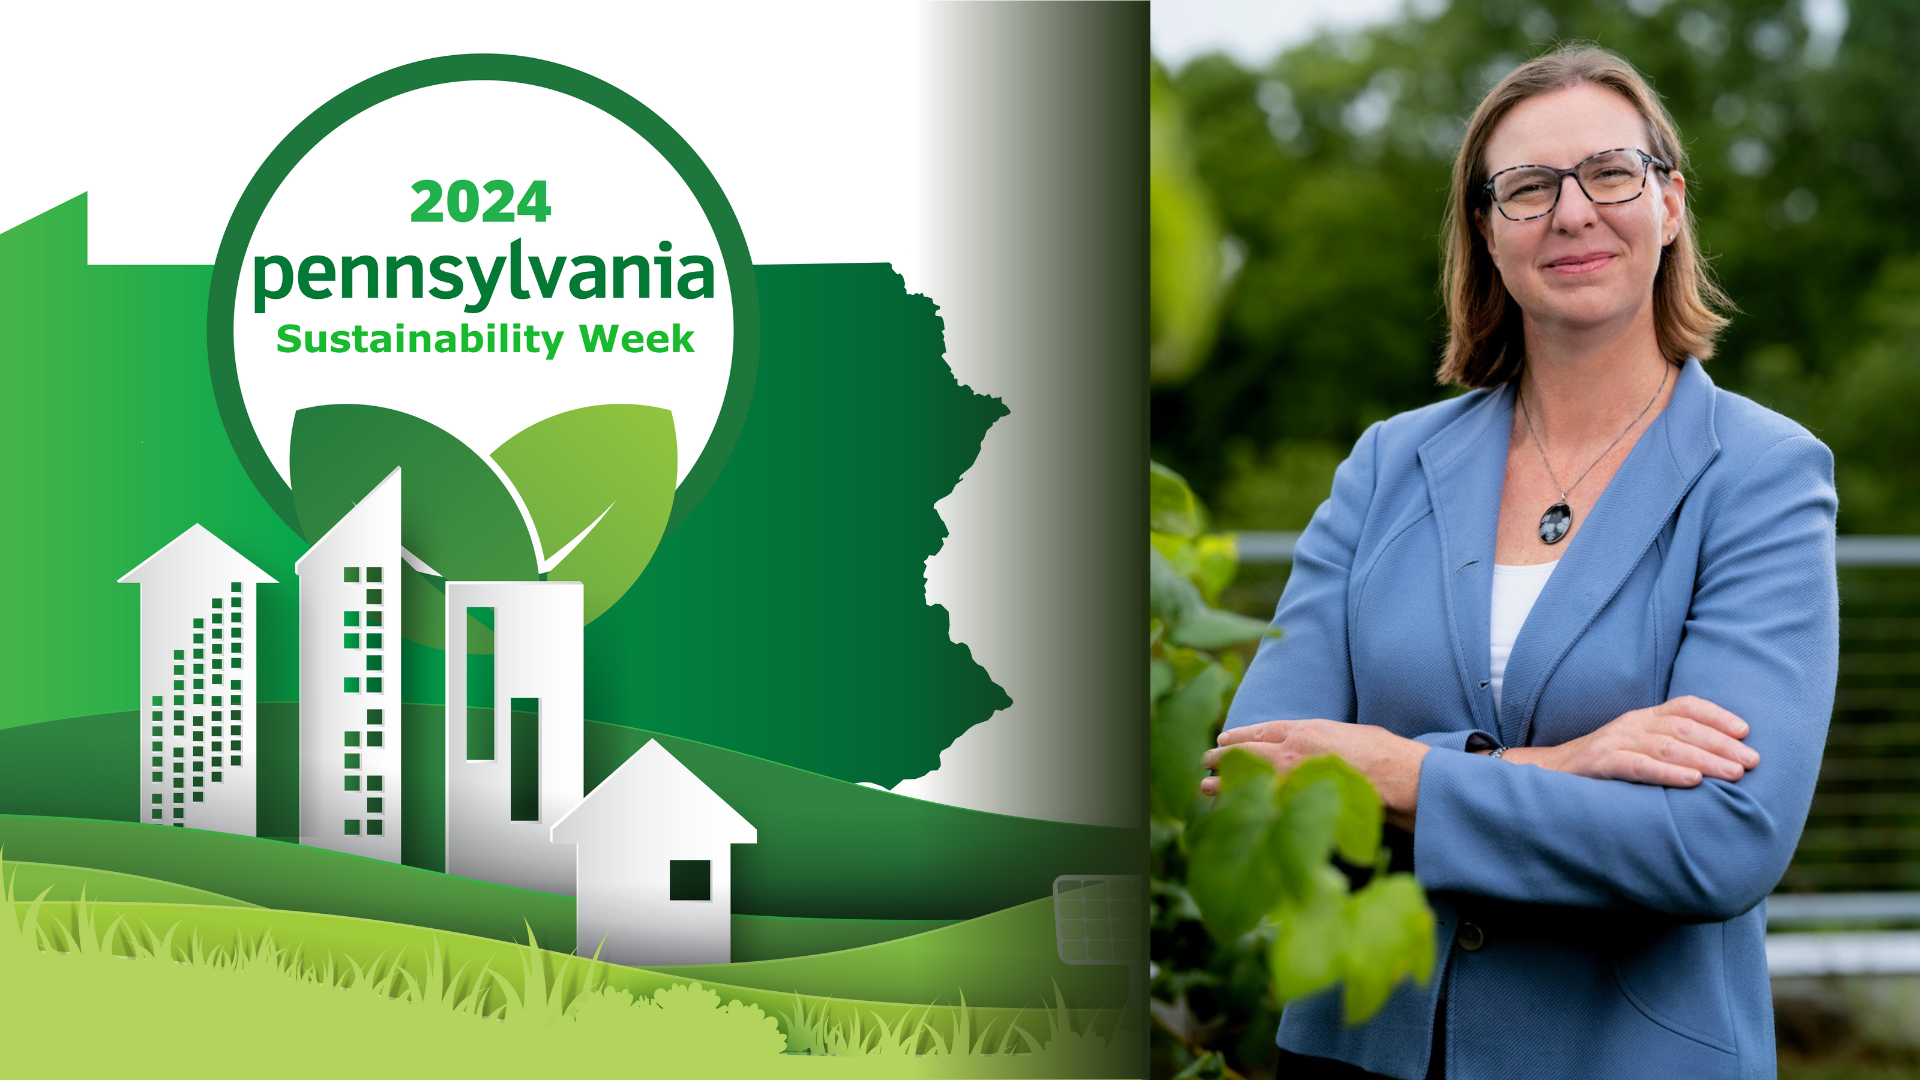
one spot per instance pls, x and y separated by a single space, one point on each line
198 735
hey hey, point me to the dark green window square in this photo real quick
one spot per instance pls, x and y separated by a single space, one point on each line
374 805
373 575
690 879
353 827
353 738
376 738
376 783
373 597
353 573
376 827
353 783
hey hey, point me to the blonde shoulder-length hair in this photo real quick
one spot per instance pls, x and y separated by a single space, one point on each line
1485 345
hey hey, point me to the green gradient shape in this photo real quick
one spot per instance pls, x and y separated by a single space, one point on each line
789 620
455 513
571 469
28 879
827 849
1007 958
776 937
113 447
276 875
471 67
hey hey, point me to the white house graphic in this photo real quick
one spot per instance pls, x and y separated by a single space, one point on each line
514 729
350 680
655 870
196 764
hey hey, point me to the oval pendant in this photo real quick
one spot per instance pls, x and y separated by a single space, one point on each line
1554 523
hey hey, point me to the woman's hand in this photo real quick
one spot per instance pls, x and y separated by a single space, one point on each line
1671 745
1389 762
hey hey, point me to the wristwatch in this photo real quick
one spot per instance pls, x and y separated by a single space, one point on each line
1497 752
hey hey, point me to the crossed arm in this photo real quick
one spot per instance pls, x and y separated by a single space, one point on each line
1676 744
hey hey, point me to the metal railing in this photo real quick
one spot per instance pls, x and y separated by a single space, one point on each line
1848 904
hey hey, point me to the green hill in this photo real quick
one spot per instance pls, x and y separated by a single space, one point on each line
1006 959
997 962
827 849
290 877
29 879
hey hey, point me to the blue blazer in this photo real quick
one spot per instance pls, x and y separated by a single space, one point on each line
1620 928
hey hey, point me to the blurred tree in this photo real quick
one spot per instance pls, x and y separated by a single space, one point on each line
1185 260
1329 168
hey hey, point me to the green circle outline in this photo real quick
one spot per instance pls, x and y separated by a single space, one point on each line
224 291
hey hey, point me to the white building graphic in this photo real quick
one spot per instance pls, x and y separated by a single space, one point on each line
350 680
514 729
648 855
655 865
196 747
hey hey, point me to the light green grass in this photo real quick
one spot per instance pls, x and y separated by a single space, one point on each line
288 1006
320 939
67 883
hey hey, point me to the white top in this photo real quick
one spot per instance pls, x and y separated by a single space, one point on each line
1515 588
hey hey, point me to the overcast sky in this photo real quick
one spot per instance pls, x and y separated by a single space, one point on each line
1252 31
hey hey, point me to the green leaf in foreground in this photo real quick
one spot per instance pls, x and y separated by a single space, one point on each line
1390 936
610 464
1171 506
1356 828
1182 732
1310 950
1231 871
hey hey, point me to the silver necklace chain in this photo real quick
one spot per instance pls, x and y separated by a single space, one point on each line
1537 445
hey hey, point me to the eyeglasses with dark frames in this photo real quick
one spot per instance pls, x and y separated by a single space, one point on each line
1608 178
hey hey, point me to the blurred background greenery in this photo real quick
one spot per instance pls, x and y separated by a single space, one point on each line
1296 208
1296 217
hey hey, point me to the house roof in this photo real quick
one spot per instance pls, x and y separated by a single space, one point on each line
193 554
651 786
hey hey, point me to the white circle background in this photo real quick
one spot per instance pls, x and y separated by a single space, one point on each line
611 194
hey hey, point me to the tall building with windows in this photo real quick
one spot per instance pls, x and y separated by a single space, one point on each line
196 728
515 729
350 680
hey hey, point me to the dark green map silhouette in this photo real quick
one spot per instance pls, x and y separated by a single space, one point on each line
786 617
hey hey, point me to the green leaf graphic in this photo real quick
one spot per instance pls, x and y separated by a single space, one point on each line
613 460
456 514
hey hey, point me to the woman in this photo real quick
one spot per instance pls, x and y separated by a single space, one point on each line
1561 620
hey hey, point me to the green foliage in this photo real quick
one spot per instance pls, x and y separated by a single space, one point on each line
1328 168
1278 488
1246 892
1264 853
1186 244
